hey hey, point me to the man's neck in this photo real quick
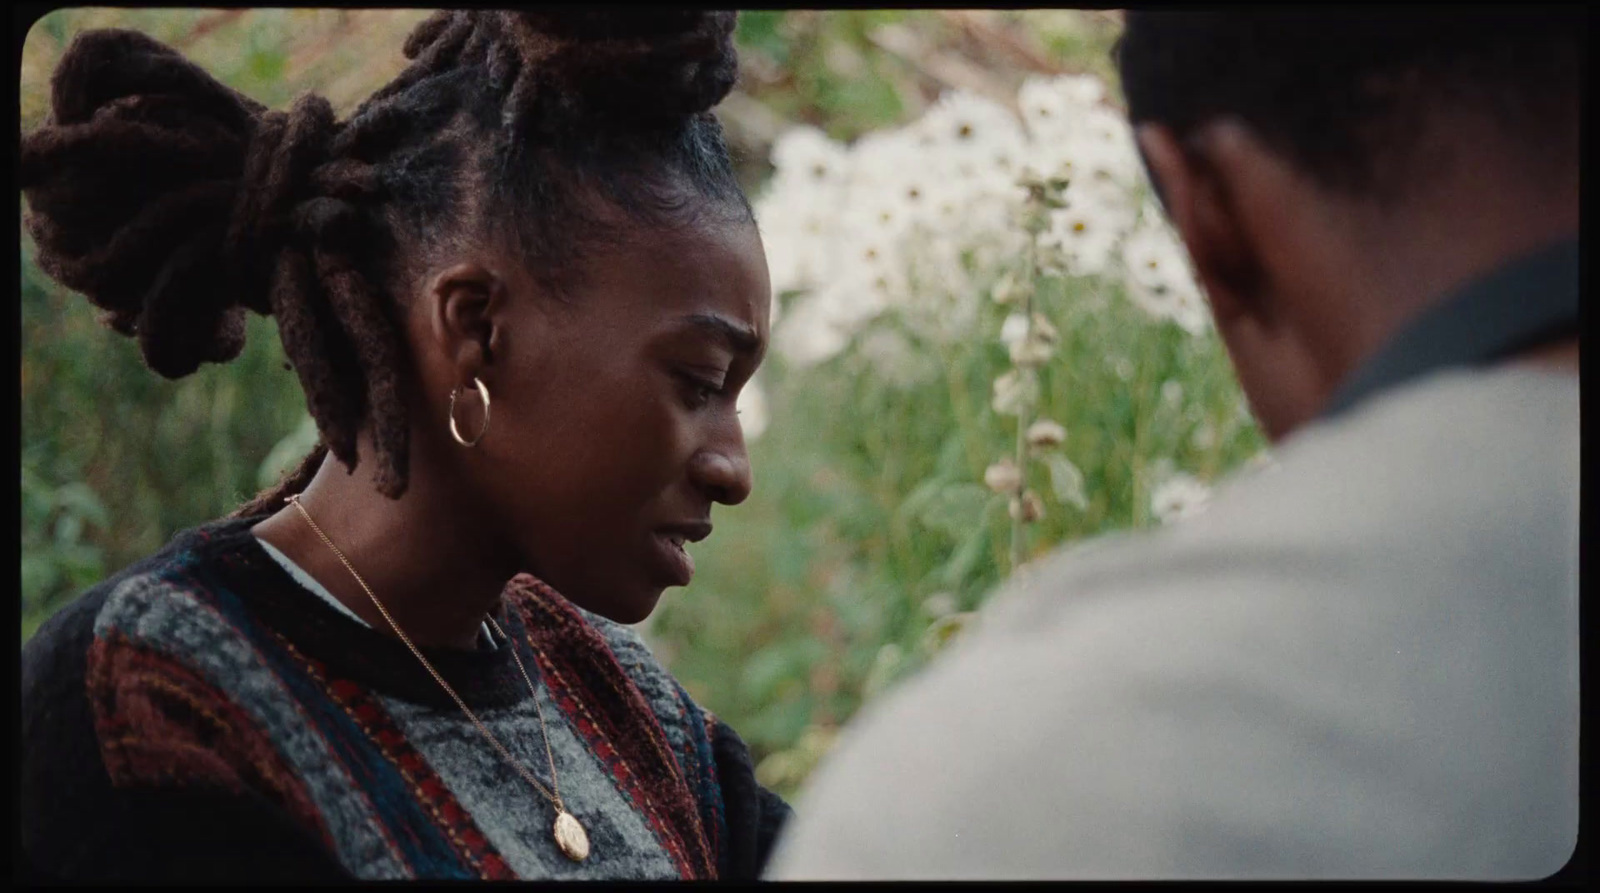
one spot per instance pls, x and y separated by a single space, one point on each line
1560 356
1396 263
1524 311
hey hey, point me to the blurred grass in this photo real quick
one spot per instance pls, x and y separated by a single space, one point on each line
868 506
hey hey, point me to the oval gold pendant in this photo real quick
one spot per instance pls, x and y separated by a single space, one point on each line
571 837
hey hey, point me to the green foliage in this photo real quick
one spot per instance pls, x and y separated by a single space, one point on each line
55 553
825 68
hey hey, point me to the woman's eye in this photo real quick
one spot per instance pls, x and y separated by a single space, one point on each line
699 391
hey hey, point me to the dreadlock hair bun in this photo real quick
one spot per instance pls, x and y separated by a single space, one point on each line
649 64
635 66
164 196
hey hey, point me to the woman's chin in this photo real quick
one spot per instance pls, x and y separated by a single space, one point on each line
628 609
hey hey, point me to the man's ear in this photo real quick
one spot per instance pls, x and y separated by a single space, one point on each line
1200 202
465 306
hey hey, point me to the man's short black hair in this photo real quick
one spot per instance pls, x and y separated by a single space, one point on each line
1343 92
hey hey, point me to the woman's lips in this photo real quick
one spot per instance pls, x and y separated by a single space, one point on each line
674 563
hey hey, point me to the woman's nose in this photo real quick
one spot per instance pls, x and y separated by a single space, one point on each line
724 475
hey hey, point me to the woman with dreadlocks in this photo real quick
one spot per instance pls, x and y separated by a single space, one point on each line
522 290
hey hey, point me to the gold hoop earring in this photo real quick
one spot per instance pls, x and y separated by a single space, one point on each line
454 431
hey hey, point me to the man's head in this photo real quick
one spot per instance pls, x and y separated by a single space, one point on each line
1333 171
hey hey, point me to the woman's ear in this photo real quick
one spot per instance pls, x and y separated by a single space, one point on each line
465 306
1199 199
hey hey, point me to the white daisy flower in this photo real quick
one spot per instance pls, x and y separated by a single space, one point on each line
1056 157
1105 159
1158 275
820 324
975 145
1048 103
1107 129
808 336
1189 311
998 242
1179 496
890 173
935 265
1087 231
858 298
883 155
874 214
1045 108
1081 89
967 120
874 263
798 226
782 248
806 155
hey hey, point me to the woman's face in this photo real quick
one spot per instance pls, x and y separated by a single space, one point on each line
613 428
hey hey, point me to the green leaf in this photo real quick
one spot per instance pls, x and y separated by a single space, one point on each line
870 101
69 528
763 671
780 721
955 510
40 575
920 497
80 501
964 561
55 25
266 65
779 770
758 29
773 665
943 631
286 452
885 669
1066 481
952 454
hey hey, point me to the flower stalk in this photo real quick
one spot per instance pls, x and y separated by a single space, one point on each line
1028 353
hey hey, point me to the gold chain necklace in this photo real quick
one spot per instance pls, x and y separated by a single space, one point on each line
569 834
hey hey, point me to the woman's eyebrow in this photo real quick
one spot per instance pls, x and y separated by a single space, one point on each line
741 338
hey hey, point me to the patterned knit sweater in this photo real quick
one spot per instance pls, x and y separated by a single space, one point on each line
202 715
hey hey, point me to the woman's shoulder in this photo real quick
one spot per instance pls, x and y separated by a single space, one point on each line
152 599
140 583
135 739
163 624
